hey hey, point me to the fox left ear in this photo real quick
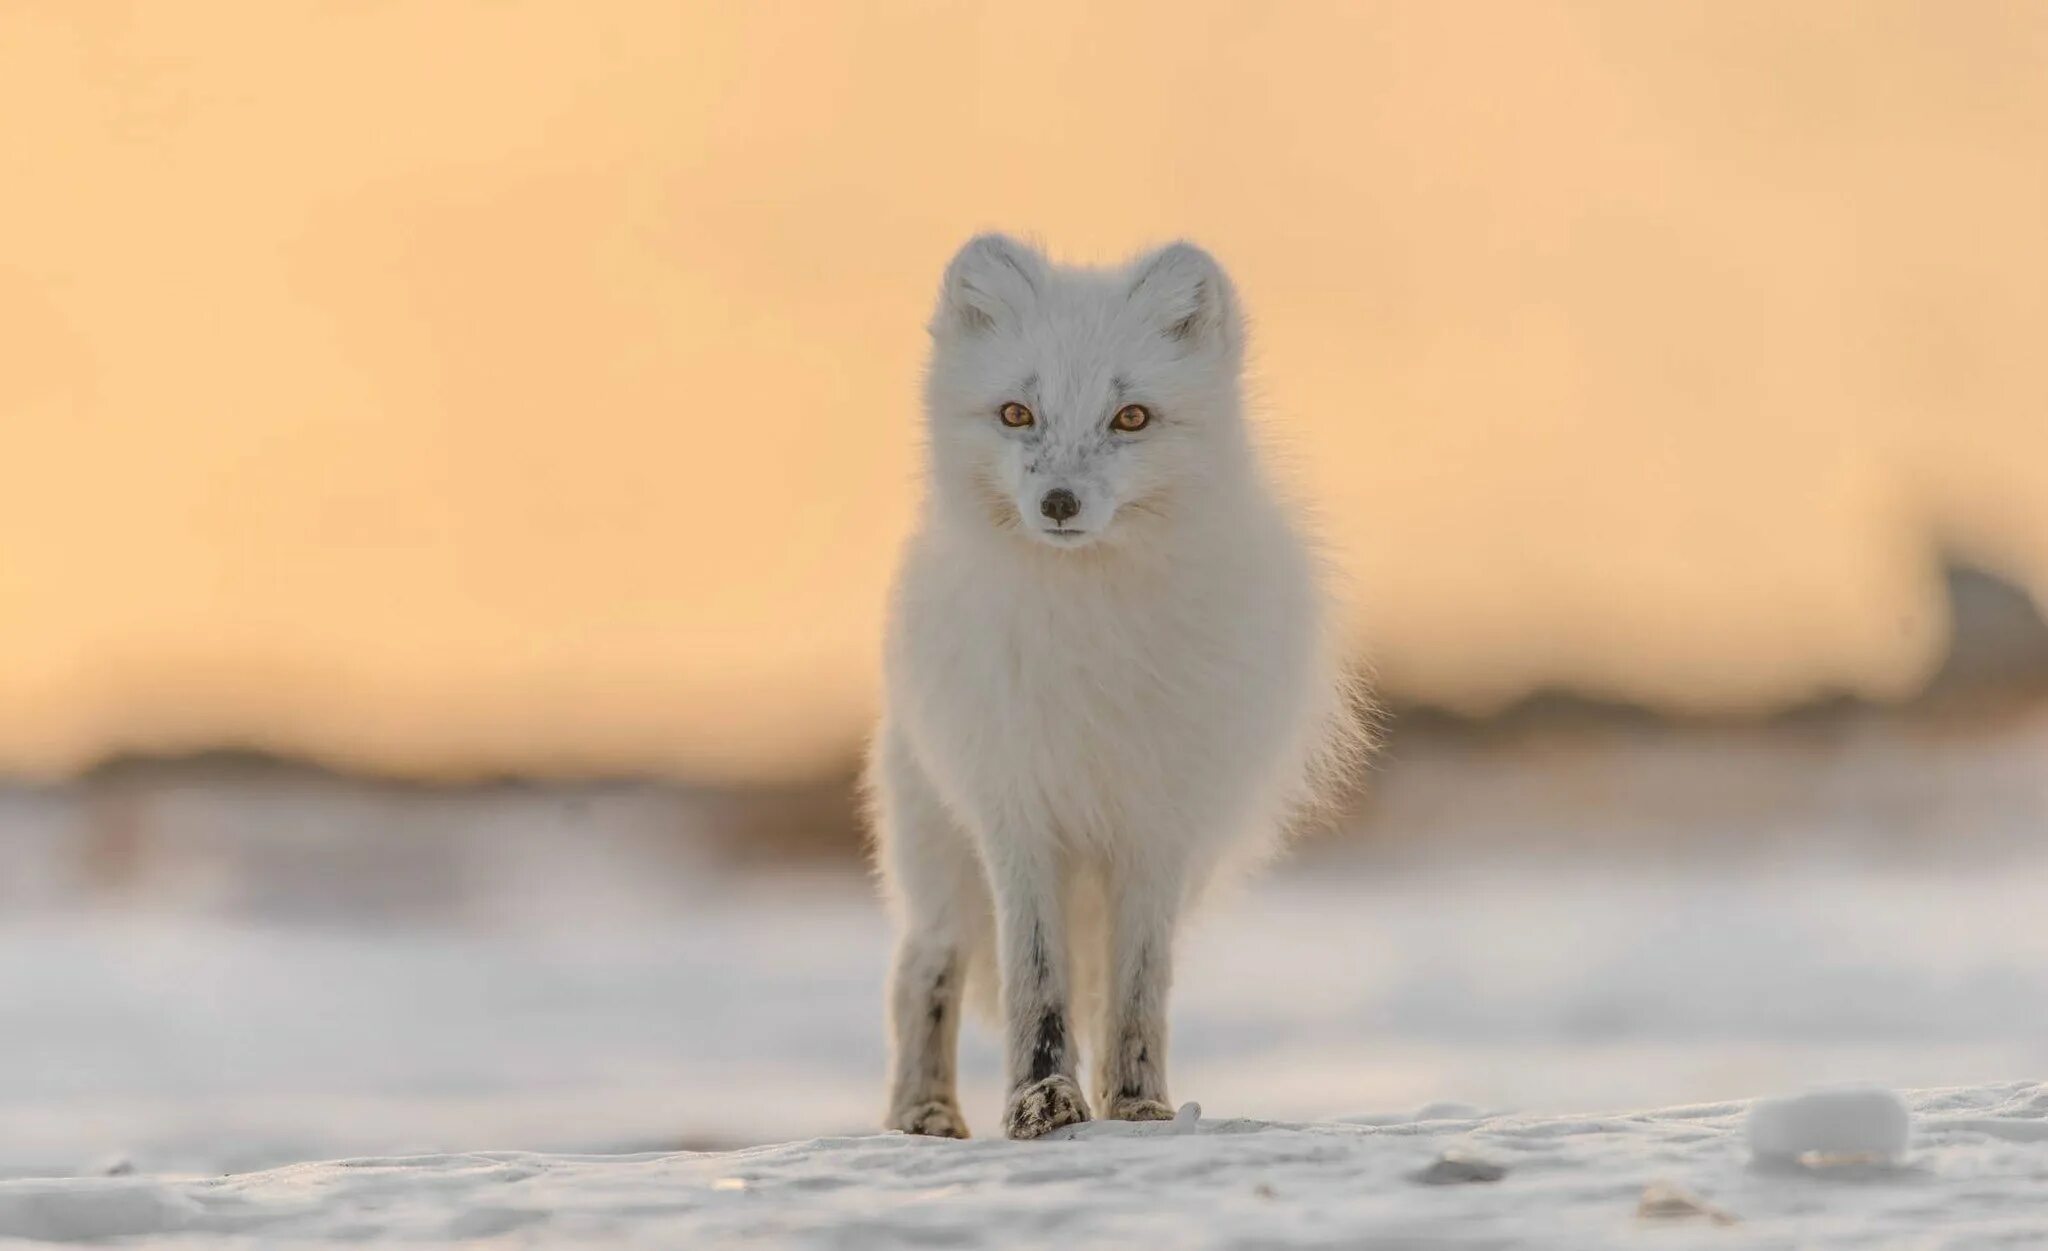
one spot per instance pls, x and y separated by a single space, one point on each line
1186 294
993 280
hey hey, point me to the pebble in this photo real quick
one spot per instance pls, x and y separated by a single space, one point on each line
1669 1201
1457 1167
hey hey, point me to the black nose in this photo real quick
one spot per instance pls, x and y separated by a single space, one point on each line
1059 504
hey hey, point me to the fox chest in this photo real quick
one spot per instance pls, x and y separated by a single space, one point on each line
1091 718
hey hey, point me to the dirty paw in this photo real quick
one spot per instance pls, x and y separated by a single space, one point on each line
938 1119
1044 1106
1120 1108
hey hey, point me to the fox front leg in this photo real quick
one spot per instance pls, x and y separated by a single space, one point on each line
1040 1049
1130 1060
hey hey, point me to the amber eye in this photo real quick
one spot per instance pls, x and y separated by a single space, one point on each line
1015 415
1131 417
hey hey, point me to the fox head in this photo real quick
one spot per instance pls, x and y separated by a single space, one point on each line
1072 407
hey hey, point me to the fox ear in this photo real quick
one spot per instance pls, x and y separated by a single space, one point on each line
1183 291
993 280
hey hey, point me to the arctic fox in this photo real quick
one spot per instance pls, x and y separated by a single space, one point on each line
1110 674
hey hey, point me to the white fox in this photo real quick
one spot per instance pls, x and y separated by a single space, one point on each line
1110 673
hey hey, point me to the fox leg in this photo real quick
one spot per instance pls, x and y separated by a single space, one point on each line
1130 1060
924 1027
936 881
1032 949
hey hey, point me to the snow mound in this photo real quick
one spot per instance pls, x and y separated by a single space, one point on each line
91 1209
1862 1125
1585 1182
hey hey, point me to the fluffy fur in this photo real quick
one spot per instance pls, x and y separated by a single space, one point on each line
1088 716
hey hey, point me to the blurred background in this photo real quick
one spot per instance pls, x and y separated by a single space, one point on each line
451 459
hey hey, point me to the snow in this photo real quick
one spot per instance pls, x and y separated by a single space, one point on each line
1577 1181
1863 1124
183 1079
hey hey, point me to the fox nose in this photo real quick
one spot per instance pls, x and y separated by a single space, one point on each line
1059 504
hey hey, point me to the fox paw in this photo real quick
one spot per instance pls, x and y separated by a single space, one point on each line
1044 1106
1121 1108
938 1119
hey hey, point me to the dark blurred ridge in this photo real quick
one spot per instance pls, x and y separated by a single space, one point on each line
244 832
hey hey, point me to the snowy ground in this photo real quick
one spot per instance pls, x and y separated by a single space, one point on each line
550 1082
1974 1178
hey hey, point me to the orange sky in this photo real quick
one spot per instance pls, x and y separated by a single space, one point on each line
473 386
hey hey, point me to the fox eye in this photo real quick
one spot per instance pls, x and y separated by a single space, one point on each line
1015 415
1131 417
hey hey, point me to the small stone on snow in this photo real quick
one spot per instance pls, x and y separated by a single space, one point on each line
1455 1167
1668 1201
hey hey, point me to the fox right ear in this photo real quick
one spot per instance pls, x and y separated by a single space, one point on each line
1185 293
993 280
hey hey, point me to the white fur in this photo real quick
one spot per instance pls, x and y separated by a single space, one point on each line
1083 729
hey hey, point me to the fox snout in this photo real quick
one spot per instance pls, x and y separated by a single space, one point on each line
1070 514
